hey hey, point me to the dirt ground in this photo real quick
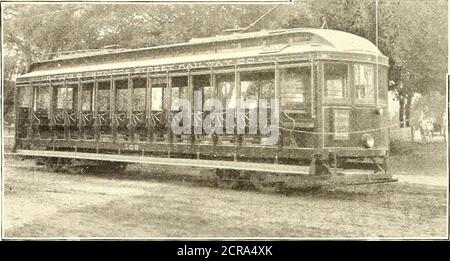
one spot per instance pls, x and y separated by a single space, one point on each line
150 202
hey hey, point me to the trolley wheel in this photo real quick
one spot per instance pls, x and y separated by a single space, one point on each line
260 182
77 169
53 164
54 168
228 179
120 168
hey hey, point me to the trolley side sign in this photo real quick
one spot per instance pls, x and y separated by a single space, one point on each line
341 124
155 68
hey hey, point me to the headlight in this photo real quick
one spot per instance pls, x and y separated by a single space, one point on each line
368 141
379 111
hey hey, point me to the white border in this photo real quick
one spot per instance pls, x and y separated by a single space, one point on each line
192 238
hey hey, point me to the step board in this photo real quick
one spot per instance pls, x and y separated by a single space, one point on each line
216 164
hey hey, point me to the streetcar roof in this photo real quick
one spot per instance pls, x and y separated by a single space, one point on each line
341 41
323 40
281 49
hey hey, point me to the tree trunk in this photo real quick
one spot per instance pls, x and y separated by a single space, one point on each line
12 71
408 110
28 62
401 111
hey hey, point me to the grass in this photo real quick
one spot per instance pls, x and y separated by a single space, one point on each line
418 158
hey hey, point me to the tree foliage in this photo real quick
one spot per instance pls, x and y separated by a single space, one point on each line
33 30
413 34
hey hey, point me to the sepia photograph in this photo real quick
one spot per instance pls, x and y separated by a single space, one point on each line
216 120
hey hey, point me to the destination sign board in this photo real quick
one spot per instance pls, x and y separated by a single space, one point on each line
107 70
153 68
341 124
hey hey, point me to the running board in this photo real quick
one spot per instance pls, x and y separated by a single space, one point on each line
215 164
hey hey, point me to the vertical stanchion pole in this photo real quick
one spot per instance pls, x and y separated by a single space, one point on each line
149 108
191 101
237 99
169 109
130 108
65 112
31 114
112 109
96 121
80 108
278 97
51 110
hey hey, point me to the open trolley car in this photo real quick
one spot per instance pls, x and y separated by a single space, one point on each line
112 107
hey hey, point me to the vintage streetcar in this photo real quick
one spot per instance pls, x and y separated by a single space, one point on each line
109 108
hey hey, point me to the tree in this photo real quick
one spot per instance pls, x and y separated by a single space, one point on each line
420 50
34 30
413 34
